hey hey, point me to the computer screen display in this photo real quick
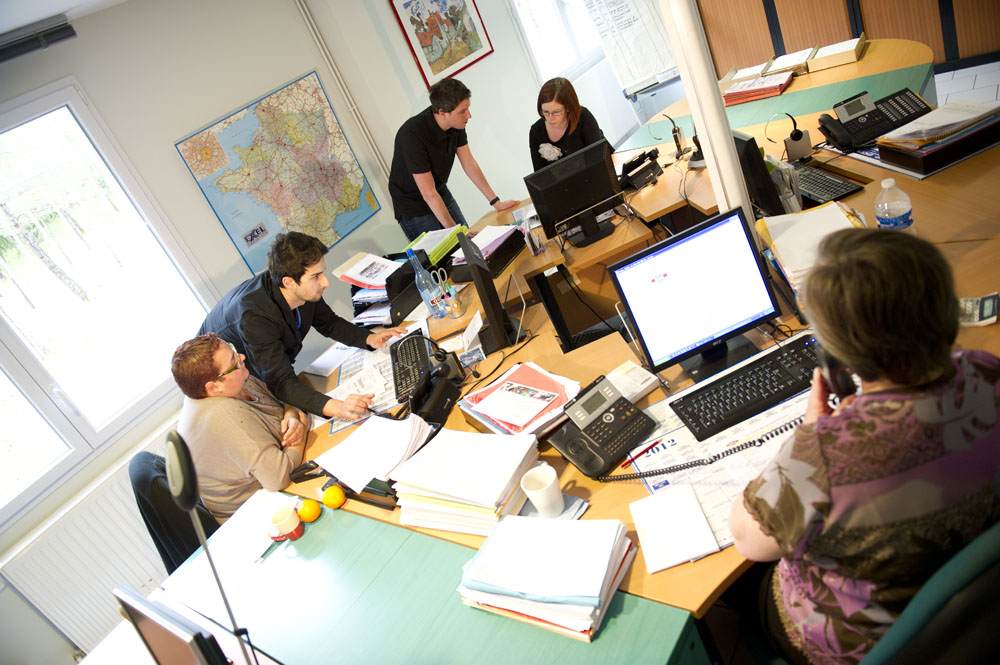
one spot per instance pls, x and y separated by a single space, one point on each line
694 292
570 194
170 638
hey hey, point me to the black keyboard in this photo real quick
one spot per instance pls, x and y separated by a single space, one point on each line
410 360
819 186
779 374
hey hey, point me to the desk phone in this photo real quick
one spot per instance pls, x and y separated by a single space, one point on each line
860 120
602 427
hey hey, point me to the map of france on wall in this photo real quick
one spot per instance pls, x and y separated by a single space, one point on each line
279 164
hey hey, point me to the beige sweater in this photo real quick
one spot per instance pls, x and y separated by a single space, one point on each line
236 447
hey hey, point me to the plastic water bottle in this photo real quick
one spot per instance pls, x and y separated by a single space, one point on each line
892 208
429 291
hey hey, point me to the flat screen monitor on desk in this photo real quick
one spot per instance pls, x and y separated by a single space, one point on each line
690 297
760 187
573 194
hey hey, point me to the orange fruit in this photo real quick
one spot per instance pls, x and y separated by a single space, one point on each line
334 497
309 510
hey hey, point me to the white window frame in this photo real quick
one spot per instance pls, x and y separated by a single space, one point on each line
19 363
584 61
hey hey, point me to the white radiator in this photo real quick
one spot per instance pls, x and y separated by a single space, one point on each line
69 570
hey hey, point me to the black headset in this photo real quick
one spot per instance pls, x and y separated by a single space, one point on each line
796 132
678 135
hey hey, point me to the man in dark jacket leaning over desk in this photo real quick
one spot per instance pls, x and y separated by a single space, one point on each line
267 317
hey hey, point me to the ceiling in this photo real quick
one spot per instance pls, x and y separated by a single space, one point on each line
15 14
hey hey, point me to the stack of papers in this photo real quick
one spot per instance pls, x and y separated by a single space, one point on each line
840 53
523 400
464 481
513 574
374 450
376 315
794 238
756 88
369 296
488 241
941 123
438 243
366 270
795 63
672 528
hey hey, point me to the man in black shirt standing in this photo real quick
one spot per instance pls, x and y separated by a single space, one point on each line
266 317
425 149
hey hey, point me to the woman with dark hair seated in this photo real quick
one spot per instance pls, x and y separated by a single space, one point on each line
563 126
866 500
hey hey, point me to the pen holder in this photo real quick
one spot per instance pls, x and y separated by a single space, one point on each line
456 307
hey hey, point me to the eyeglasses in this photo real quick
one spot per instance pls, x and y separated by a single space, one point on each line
553 114
236 362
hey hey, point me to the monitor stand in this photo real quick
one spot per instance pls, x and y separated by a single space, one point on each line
510 327
722 357
591 231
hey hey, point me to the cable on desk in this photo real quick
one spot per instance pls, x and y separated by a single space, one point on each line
503 357
585 303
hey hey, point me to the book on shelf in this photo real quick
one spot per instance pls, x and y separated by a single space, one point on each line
758 88
834 55
796 63
504 578
464 481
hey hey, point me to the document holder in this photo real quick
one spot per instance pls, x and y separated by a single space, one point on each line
497 261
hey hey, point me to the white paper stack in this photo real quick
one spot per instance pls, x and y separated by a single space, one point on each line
374 450
464 481
587 561
523 400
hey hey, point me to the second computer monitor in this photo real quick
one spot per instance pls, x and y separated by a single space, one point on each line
762 190
572 195
690 297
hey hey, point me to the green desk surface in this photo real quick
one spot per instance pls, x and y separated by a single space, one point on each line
919 78
357 590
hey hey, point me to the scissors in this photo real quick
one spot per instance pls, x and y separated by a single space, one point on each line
440 277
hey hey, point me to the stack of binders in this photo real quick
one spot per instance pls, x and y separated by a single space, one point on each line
555 574
464 481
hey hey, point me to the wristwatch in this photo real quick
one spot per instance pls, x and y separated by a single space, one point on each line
495 199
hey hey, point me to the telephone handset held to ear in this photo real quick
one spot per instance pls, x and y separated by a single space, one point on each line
839 380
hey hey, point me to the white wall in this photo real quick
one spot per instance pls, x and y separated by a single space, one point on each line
155 71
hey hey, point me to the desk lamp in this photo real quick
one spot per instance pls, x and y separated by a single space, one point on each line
183 483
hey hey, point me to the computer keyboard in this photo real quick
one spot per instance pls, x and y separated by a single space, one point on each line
410 360
780 373
819 186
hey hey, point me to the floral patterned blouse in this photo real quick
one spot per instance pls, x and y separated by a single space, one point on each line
868 503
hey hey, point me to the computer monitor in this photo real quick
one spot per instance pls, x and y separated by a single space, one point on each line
762 190
170 638
573 195
690 297
499 330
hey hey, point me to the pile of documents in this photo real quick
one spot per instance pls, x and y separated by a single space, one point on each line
756 88
439 243
464 481
488 241
794 238
558 575
374 450
366 270
521 401
942 137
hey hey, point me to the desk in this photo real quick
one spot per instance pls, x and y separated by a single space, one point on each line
358 590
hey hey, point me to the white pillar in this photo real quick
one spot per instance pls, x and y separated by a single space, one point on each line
694 60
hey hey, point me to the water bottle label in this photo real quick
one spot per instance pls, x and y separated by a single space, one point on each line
900 223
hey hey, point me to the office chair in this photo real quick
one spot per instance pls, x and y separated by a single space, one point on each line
168 526
952 619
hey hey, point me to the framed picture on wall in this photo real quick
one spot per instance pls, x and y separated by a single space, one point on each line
445 36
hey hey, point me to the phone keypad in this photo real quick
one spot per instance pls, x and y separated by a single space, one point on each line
620 428
868 127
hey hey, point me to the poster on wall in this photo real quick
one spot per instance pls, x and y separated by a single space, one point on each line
280 163
445 36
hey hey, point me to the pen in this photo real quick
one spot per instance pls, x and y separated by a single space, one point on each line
640 453
371 410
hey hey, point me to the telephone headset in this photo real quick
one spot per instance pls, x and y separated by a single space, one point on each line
838 379
860 121
678 135
797 145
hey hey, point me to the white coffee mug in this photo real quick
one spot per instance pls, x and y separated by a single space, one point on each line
542 487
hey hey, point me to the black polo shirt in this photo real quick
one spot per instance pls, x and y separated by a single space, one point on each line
421 146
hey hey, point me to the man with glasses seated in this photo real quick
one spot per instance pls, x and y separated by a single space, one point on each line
241 437
267 317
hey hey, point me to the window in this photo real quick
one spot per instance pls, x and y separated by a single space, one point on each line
91 302
560 36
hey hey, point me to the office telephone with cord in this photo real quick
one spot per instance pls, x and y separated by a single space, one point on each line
860 121
602 426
